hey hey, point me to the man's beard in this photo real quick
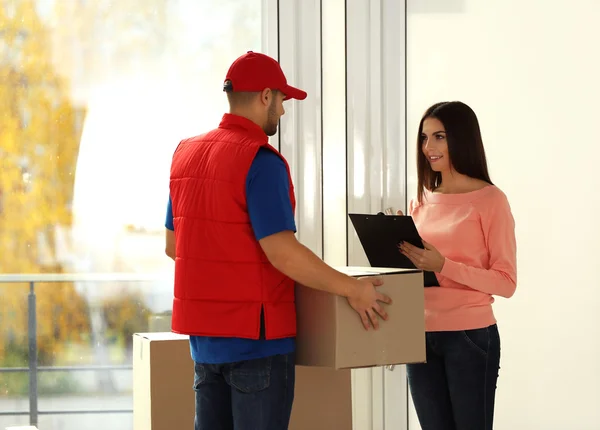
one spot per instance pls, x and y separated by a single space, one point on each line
270 127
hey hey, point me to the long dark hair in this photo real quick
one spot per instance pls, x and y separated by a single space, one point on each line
465 146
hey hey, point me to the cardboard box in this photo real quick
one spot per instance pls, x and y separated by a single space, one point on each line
330 337
331 334
163 377
322 399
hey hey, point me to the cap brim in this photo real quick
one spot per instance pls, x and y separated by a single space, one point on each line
293 93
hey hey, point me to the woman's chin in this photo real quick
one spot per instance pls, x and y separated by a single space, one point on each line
436 168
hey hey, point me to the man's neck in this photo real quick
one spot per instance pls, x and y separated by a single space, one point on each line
249 115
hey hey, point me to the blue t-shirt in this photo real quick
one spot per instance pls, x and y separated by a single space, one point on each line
270 210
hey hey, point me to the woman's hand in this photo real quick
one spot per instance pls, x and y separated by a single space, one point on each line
428 259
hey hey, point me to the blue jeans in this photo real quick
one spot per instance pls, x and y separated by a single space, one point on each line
456 388
247 395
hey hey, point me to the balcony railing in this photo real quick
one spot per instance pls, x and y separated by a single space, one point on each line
33 369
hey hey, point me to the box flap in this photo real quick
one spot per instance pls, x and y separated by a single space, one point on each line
373 271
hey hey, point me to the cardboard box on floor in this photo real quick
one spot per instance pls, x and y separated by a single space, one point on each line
331 340
163 376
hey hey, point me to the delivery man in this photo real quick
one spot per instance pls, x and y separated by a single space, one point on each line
230 229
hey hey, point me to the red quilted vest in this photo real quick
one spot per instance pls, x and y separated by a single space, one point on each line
222 277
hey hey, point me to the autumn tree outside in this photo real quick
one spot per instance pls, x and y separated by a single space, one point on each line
39 136
40 130
53 54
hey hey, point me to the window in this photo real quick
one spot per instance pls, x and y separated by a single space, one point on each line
95 96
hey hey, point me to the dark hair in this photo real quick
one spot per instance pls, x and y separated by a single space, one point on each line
465 146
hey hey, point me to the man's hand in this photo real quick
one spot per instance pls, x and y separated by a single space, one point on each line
298 262
366 300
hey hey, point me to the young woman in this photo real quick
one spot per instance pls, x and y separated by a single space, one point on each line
468 230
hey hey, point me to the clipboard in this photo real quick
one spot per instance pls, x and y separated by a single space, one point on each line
379 236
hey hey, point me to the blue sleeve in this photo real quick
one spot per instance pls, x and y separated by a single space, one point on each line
268 195
169 221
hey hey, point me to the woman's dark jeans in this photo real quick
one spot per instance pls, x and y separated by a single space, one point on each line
456 388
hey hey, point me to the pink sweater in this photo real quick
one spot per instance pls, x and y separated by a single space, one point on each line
475 232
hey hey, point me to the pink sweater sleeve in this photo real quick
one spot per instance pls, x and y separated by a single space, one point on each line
500 279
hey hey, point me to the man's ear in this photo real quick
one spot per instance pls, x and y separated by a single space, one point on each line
265 97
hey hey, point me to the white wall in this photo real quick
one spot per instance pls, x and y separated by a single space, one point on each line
530 71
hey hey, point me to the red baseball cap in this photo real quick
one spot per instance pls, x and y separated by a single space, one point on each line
253 72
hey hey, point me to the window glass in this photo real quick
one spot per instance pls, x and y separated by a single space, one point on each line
94 97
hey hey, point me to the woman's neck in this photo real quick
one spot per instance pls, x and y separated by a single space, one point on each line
456 183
